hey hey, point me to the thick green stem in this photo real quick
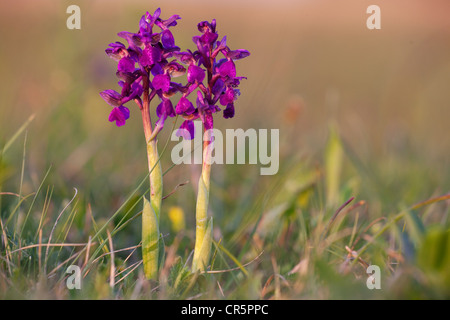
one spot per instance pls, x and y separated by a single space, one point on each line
150 241
156 182
151 212
203 228
150 217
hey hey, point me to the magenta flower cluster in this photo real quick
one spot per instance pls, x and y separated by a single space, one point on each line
152 60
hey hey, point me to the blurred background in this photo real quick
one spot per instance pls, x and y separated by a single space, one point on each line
313 65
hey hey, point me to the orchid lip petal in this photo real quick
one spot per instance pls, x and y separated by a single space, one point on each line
119 115
227 97
229 111
227 69
186 130
161 82
126 65
164 110
195 73
184 106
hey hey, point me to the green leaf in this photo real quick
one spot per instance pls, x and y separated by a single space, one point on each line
415 227
333 166
17 134
232 257
205 251
434 259
434 253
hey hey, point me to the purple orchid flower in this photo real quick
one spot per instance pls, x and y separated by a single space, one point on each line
119 115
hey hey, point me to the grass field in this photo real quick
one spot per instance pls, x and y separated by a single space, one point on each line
364 175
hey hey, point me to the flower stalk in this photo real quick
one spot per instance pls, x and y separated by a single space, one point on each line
152 208
154 165
203 227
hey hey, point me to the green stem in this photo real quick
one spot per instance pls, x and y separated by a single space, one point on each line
150 241
151 214
156 182
203 228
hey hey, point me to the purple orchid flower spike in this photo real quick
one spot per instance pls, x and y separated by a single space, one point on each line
217 82
149 53
220 74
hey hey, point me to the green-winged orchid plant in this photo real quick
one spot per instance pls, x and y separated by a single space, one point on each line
145 71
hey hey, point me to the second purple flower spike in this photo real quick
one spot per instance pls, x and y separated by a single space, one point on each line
221 85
